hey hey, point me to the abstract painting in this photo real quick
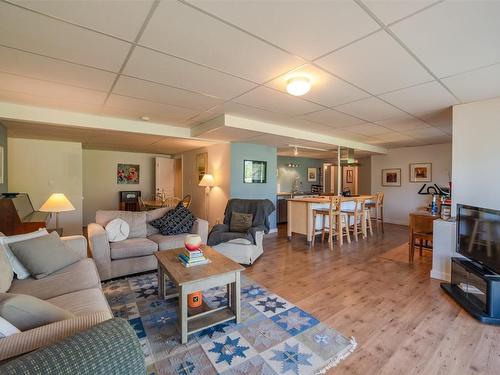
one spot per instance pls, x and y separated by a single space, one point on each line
127 173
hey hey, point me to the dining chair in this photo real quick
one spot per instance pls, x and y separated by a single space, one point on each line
142 206
421 229
186 201
170 201
337 222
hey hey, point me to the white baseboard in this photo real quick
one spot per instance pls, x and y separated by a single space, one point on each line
440 275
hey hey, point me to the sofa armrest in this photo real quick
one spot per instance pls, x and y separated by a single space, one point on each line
27 341
200 227
78 244
111 347
100 250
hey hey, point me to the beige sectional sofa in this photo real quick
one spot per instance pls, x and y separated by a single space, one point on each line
76 288
135 254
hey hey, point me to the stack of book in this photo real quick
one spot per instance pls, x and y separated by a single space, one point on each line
190 258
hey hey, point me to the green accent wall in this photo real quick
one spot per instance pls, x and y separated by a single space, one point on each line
3 143
246 151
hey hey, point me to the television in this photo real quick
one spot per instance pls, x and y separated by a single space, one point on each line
478 235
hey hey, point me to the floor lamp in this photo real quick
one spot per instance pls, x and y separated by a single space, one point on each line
207 182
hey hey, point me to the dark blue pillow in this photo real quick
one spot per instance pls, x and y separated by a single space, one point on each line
176 221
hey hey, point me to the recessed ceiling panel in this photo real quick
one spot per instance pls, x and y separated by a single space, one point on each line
371 109
332 118
403 123
391 11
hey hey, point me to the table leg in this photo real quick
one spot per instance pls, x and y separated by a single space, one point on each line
161 282
183 311
236 298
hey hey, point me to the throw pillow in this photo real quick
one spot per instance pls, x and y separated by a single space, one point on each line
18 268
28 312
176 221
118 230
7 329
44 255
240 222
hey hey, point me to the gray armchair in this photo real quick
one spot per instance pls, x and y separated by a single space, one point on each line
243 248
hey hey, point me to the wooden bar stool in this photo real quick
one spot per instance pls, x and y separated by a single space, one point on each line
378 207
337 223
358 217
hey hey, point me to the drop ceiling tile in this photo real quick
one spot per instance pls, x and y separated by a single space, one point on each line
168 70
275 101
44 68
119 18
326 89
477 85
132 108
390 67
164 94
50 90
371 109
332 118
368 129
454 36
391 11
37 33
180 30
426 133
393 137
422 98
324 25
403 123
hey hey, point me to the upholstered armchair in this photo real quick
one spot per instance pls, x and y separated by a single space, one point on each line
243 247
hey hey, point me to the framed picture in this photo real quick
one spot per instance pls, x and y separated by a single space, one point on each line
312 174
201 165
391 177
127 173
254 172
1 164
420 172
349 176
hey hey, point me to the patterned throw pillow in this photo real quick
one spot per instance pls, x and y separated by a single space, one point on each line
240 222
177 221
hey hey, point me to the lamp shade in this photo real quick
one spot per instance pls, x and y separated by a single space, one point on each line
207 180
57 202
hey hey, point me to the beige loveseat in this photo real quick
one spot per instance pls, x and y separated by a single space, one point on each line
136 253
76 288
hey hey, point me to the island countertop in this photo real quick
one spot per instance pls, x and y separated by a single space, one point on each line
326 199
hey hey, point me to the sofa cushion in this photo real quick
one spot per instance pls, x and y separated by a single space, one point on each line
154 215
44 255
6 273
78 276
26 312
168 242
17 266
132 247
176 221
83 302
135 220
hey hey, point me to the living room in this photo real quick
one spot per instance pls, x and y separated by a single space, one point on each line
202 187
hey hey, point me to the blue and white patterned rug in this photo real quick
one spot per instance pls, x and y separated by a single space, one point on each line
274 337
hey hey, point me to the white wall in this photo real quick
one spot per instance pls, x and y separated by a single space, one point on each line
476 154
100 190
400 201
40 168
219 165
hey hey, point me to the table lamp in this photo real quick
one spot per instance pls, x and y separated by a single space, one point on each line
208 182
57 202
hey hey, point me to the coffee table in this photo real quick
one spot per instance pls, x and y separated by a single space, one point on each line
219 272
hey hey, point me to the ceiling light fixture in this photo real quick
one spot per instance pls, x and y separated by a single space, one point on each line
295 151
307 148
145 118
298 86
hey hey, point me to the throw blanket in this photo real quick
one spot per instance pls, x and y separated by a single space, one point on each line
259 208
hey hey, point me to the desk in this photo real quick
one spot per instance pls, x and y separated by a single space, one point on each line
300 217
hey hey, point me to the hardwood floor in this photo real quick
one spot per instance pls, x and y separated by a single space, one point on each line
402 320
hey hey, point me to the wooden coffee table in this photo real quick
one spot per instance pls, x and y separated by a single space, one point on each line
221 271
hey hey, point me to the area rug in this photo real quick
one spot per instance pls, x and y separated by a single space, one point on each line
274 337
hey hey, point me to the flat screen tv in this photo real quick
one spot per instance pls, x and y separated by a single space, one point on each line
478 235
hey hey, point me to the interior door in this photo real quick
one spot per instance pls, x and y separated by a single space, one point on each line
165 175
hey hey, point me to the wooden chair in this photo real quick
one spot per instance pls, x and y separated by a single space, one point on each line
378 207
170 202
337 223
358 215
367 220
420 229
186 201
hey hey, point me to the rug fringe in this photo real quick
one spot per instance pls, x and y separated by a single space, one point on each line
340 356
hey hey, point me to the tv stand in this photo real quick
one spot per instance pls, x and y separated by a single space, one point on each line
476 289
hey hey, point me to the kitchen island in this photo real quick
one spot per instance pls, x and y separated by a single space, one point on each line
300 217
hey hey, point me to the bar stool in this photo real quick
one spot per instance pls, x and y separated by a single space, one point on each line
337 223
358 217
378 206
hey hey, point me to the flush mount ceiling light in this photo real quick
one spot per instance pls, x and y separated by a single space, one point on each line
298 86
